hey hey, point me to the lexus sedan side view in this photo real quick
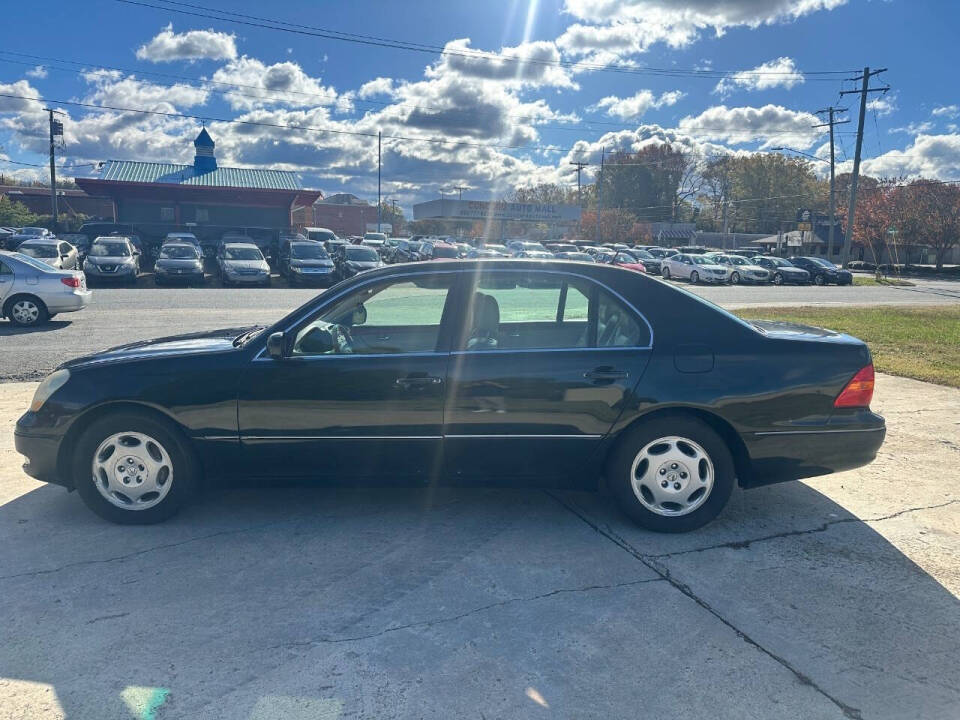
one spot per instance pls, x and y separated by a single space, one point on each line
465 371
32 292
822 271
782 272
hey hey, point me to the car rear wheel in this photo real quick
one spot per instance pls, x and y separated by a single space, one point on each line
818 280
735 278
133 469
26 311
694 277
665 272
672 474
778 278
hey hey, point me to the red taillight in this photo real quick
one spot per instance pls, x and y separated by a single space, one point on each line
73 282
859 391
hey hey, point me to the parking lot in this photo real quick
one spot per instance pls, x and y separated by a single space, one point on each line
122 315
832 598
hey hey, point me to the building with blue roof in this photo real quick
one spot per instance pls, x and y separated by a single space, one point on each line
203 198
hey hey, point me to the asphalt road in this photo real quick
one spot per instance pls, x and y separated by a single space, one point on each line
834 598
121 315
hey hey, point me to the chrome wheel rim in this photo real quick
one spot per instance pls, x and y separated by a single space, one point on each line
672 476
25 312
132 471
694 277
735 278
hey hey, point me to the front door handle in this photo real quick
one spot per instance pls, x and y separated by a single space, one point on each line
418 380
606 373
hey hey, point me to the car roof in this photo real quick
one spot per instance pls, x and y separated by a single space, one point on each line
241 245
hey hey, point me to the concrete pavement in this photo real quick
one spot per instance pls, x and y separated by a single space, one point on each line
833 598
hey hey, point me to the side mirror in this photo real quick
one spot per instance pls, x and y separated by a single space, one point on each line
317 341
275 345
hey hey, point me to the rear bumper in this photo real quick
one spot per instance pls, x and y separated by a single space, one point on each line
68 302
795 454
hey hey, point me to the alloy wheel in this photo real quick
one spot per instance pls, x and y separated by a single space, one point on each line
25 312
735 278
777 279
132 471
694 277
672 476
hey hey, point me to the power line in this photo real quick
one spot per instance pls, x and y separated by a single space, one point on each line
372 40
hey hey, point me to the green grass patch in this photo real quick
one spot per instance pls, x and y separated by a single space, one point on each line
916 342
872 280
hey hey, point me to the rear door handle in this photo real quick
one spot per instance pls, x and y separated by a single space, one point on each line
606 373
419 380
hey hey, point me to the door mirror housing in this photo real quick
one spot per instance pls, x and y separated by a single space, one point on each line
276 345
317 341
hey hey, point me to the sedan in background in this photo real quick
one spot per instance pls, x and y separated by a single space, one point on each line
178 263
624 259
470 372
14 241
112 258
695 268
242 264
483 252
573 255
55 253
661 252
32 292
534 254
351 260
306 262
742 270
651 263
782 272
516 247
822 271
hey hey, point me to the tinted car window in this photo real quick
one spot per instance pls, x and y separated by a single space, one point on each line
242 253
109 249
179 252
361 254
308 251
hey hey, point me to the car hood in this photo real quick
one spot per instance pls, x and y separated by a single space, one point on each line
109 259
245 264
711 267
781 330
177 262
190 344
365 264
311 263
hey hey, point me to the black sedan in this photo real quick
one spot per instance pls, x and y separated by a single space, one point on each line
782 272
178 263
822 271
351 260
465 371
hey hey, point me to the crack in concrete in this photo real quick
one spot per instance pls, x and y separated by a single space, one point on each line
849 711
743 544
106 617
461 616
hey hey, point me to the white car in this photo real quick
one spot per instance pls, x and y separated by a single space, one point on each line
55 253
695 268
742 270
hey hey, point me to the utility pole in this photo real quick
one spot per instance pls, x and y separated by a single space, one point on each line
379 211
460 189
833 200
580 166
603 152
56 128
852 210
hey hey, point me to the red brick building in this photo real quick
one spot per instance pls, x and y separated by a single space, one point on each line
345 214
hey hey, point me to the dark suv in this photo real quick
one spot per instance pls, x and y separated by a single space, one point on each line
305 262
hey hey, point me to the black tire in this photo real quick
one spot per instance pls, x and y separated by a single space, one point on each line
818 280
684 426
694 277
185 478
778 278
42 314
734 278
665 272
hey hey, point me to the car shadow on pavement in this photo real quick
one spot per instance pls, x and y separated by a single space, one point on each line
452 602
8 328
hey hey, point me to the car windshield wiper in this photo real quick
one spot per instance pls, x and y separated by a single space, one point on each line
241 340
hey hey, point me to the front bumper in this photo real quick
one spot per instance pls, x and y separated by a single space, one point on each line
259 279
123 272
41 453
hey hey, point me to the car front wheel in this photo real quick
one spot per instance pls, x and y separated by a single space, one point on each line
133 469
672 474
694 277
778 279
665 272
735 278
818 280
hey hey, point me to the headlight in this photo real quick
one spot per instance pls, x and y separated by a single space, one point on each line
53 382
296 268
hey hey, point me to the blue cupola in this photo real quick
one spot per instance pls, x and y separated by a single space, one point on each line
204 161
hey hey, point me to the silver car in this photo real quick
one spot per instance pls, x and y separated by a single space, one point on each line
112 257
742 270
32 292
695 268
242 264
55 253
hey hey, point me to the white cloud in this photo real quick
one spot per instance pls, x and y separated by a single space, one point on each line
781 72
39 72
914 128
536 67
772 125
947 111
378 86
883 105
191 45
636 106
929 156
15 104
262 85
628 27
112 88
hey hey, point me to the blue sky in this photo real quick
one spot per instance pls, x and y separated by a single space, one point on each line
516 122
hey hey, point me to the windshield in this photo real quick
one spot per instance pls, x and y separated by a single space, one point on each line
39 251
701 260
642 255
445 252
308 251
362 254
779 262
822 263
322 235
737 260
109 249
242 253
179 252
33 231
